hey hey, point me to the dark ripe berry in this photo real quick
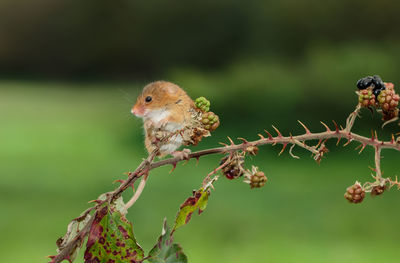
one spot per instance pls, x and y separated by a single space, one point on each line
377 92
378 190
355 193
234 168
365 82
378 83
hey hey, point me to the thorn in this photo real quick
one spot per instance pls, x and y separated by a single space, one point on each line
348 142
269 135
336 126
197 160
393 140
376 135
173 167
372 136
305 127
279 133
283 149
119 181
341 127
319 143
261 137
338 140
362 149
326 126
97 201
243 140
224 144
230 140
291 136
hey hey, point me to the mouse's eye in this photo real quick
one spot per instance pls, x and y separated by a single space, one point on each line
148 99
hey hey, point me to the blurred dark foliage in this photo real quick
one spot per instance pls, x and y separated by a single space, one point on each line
75 38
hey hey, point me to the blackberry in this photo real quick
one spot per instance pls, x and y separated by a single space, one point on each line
365 82
202 104
366 97
355 193
258 180
388 100
210 121
234 168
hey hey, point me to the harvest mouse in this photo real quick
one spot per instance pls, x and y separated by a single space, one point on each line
164 107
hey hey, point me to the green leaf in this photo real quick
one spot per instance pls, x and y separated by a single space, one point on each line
111 238
165 251
198 201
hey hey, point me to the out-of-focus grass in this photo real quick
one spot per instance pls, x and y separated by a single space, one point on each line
62 146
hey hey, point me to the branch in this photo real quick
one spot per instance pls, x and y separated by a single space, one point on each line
148 164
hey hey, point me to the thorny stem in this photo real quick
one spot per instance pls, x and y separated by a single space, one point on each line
146 165
378 163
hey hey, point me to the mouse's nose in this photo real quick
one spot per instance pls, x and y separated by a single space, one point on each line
137 111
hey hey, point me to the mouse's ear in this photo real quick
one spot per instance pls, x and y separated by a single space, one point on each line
172 88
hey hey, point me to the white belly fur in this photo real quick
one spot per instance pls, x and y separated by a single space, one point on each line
176 141
158 116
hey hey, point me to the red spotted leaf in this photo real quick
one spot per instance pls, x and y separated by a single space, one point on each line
165 251
111 238
196 202
74 233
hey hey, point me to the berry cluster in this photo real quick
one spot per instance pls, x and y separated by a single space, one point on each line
202 104
210 120
373 92
366 98
388 101
355 193
234 168
257 180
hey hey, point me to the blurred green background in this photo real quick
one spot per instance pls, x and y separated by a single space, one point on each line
71 70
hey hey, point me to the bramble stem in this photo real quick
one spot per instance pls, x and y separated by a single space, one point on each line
378 163
146 165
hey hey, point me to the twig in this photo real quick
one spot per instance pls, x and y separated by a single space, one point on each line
138 191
